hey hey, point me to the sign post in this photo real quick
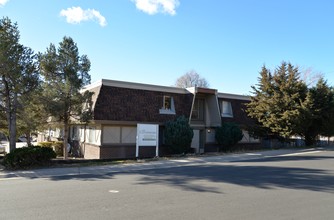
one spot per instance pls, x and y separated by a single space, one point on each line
147 135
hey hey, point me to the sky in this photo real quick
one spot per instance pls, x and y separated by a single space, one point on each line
156 41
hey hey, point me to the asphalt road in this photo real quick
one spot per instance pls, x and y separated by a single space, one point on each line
291 187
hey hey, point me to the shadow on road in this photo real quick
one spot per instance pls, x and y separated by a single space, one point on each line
188 177
285 158
265 177
261 175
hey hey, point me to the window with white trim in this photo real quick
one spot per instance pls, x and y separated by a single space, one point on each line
168 106
91 135
227 109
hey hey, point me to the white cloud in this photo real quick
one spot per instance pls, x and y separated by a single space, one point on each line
75 15
3 2
157 6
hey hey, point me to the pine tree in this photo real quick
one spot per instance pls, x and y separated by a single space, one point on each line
65 74
278 99
259 107
18 74
320 107
31 114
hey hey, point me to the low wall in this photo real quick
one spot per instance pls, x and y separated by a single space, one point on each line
91 151
121 151
238 147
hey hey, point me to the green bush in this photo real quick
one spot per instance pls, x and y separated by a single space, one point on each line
57 146
228 135
46 144
178 135
26 157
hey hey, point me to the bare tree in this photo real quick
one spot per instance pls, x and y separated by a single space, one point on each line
310 77
191 79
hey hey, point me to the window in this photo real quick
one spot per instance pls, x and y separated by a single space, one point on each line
111 135
167 102
167 105
75 133
129 135
91 135
198 110
227 109
118 135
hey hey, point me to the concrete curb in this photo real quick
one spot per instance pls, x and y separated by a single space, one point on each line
143 165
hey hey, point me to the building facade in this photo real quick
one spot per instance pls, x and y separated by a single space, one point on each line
119 106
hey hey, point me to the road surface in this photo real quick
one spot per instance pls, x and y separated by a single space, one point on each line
297 186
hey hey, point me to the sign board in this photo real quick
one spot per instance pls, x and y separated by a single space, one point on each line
147 135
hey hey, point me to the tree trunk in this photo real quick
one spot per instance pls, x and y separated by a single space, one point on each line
9 120
12 133
28 136
11 115
65 140
310 140
12 124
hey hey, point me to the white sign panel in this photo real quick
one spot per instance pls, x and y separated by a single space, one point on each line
147 135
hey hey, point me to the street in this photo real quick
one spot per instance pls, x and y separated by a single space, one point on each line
296 186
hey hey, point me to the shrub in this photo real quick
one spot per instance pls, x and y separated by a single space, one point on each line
26 157
57 146
46 144
228 135
178 135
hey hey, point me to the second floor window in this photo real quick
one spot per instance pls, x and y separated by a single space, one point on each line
198 110
167 102
227 109
168 106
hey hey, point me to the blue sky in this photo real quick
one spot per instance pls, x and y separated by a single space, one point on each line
156 41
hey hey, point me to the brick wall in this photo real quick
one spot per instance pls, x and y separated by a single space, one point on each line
123 104
91 151
239 115
129 151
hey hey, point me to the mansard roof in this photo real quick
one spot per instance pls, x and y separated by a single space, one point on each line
125 101
137 102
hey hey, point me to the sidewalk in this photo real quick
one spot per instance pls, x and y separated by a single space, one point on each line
159 164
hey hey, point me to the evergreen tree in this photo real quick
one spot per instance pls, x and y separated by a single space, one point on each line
278 99
320 108
32 115
228 135
259 107
18 74
65 74
286 102
178 135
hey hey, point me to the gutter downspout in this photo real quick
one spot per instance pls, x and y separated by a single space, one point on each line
192 105
219 114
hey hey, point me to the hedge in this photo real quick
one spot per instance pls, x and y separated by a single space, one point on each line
22 158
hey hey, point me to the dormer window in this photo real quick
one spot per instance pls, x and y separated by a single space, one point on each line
167 102
227 109
167 105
